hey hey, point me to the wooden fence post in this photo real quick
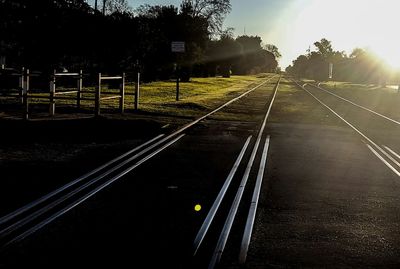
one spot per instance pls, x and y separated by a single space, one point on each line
137 91
79 93
177 89
52 105
21 85
97 98
122 94
25 90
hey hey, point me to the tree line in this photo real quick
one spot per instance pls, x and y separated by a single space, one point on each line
361 66
73 35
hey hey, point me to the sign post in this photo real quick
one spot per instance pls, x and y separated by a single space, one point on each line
177 47
330 70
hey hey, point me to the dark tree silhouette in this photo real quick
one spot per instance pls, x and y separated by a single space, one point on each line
214 11
70 34
120 6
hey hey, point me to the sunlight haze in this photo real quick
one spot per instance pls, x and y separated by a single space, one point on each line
294 25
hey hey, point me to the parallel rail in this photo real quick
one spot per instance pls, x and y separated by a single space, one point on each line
355 104
385 154
229 219
28 219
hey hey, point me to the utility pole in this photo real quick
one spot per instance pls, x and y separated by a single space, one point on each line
95 5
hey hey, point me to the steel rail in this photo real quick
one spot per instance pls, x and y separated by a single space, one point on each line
355 104
223 238
214 208
46 197
244 247
87 196
67 196
356 130
394 170
73 192
392 151
3 219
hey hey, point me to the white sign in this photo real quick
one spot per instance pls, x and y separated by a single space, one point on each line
178 46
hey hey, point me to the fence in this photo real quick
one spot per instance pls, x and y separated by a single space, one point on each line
24 94
56 95
121 94
7 79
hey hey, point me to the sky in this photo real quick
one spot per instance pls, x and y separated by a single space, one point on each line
295 25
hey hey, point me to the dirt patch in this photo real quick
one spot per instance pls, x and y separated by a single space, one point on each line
74 130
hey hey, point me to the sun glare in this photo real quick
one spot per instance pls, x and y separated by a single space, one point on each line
351 23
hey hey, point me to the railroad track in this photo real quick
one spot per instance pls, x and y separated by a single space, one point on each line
212 237
25 221
383 147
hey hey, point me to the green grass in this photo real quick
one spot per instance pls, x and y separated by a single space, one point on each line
197 97
383 100
294 106
338 85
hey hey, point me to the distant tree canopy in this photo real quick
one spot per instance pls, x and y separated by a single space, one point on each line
361 66
120 6
48 34
214 11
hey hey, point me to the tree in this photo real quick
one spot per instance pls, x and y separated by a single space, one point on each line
317 67
289 69
366 67
251 47
214 11
119 6
300 66
362 66
250 44
357 52
324 47
42 35
222 54
255 58
274 50
320 60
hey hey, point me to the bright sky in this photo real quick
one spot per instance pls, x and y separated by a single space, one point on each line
294 25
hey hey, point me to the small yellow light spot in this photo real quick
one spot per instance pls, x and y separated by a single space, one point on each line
197 207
